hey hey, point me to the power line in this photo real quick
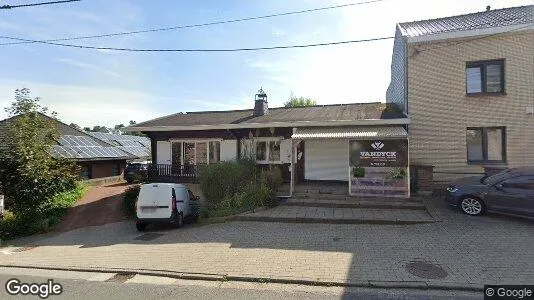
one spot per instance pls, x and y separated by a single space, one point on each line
36 4
203 24
200 50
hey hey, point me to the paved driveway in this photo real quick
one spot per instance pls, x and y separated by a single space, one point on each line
471 251
99 206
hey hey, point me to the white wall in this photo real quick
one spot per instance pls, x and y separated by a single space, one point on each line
228 150
326 160
285 151
163 154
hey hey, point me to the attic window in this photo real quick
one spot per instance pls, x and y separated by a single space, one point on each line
485 77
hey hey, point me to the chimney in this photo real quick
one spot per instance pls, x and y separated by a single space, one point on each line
488 8
260 104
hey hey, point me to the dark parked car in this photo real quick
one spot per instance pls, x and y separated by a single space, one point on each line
508 192
136 172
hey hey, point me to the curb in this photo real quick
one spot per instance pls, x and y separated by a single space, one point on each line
329 221
419 285
215 220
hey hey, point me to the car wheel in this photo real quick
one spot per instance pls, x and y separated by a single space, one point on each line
140 226
472 206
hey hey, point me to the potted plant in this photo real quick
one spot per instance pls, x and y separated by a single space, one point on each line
396 177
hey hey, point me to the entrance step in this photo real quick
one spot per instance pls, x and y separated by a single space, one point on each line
343 202
304 196
328 215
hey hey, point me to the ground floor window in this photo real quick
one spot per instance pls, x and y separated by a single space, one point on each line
195 152
115 170
486 144
86 172
265 151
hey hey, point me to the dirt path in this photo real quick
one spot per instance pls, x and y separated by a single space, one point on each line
100 205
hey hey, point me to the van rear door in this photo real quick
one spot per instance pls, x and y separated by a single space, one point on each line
155 201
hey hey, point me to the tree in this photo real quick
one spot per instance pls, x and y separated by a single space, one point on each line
74 125
119 126
97 128
299 101
132 122
87 129
29 174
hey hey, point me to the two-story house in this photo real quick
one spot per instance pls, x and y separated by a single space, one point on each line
467 83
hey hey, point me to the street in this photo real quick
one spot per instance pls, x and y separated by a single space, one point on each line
85 285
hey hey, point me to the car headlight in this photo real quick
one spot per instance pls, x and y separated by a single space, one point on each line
452 189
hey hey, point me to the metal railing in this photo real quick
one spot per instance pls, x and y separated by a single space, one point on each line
173 173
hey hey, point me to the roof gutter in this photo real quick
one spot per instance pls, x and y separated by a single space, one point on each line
470 33
369 122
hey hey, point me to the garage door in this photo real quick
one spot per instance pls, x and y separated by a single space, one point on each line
326 160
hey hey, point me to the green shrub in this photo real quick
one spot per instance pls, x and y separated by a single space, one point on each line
358 172
225 179
43 218
129 198
272 178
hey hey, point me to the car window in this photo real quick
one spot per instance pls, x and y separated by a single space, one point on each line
191 196
520 182
493 179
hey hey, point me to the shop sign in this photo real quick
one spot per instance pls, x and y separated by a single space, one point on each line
379 153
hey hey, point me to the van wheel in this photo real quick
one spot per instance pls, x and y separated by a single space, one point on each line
180 220
140 226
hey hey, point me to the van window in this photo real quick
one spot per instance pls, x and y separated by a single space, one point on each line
191 196
173 193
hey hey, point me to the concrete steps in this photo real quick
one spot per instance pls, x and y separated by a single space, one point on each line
354 203
303 214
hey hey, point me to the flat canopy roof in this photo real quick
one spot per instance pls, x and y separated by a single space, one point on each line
359 132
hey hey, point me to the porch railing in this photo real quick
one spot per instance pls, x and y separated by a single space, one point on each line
173 173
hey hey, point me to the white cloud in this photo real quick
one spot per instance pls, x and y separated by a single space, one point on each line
86 106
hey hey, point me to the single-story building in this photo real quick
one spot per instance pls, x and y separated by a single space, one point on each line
362 144
97 159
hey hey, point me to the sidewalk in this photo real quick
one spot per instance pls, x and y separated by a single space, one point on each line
461 252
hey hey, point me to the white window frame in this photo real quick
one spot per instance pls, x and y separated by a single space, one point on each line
267 140
207 141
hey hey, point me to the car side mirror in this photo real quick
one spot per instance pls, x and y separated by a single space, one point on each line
499 186
197 198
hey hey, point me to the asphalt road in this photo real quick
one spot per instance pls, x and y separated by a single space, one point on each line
86 285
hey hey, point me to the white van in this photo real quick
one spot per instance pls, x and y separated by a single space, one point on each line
165 202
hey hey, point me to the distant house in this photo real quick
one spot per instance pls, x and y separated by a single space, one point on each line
316 143
467 83
96 158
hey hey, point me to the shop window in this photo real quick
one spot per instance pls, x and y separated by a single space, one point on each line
486 145
485 77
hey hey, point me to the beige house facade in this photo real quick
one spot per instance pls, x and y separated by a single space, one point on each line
467 83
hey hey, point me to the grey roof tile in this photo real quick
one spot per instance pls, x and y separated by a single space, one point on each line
479 20
337 112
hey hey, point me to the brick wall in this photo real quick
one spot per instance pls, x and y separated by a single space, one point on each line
441 111
101 169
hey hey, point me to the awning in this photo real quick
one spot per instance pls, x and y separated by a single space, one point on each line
360 132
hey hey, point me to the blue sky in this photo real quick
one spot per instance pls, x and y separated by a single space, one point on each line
92 87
